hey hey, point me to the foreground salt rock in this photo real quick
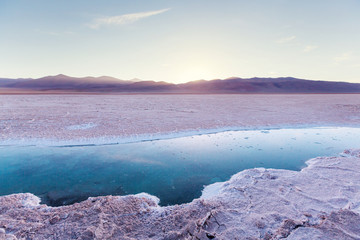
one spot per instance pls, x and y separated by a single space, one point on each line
322 201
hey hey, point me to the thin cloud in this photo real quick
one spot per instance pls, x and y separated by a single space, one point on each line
309 48
286 40
343 57
124 19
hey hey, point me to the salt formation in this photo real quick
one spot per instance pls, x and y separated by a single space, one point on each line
322 201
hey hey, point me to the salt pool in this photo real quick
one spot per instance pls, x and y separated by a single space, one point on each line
175 170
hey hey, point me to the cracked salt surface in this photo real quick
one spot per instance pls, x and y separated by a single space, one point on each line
175 170
46 117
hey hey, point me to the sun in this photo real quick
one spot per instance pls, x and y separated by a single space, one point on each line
192 73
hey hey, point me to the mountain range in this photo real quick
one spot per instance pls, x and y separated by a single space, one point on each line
104 84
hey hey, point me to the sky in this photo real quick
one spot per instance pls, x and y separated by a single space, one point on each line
179 41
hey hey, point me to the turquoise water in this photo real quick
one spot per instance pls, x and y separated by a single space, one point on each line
175 170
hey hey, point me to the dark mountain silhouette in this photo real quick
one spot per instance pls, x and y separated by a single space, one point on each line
7 82
63 82
230 85
271 85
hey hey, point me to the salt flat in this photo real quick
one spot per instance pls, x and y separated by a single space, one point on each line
71 117
319 202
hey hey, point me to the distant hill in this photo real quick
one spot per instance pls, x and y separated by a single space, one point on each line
230 85
63 82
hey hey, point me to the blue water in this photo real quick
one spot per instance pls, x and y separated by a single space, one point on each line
175 170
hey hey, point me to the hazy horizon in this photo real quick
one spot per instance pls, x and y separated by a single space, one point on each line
138 79
181 41
155 80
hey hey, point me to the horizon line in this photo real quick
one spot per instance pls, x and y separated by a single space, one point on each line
182 82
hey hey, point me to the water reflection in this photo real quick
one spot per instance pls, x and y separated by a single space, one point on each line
175 170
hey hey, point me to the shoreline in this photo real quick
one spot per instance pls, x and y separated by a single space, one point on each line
328 132
261 203
320 201
115 140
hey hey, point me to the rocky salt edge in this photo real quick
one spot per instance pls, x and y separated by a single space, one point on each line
322 201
